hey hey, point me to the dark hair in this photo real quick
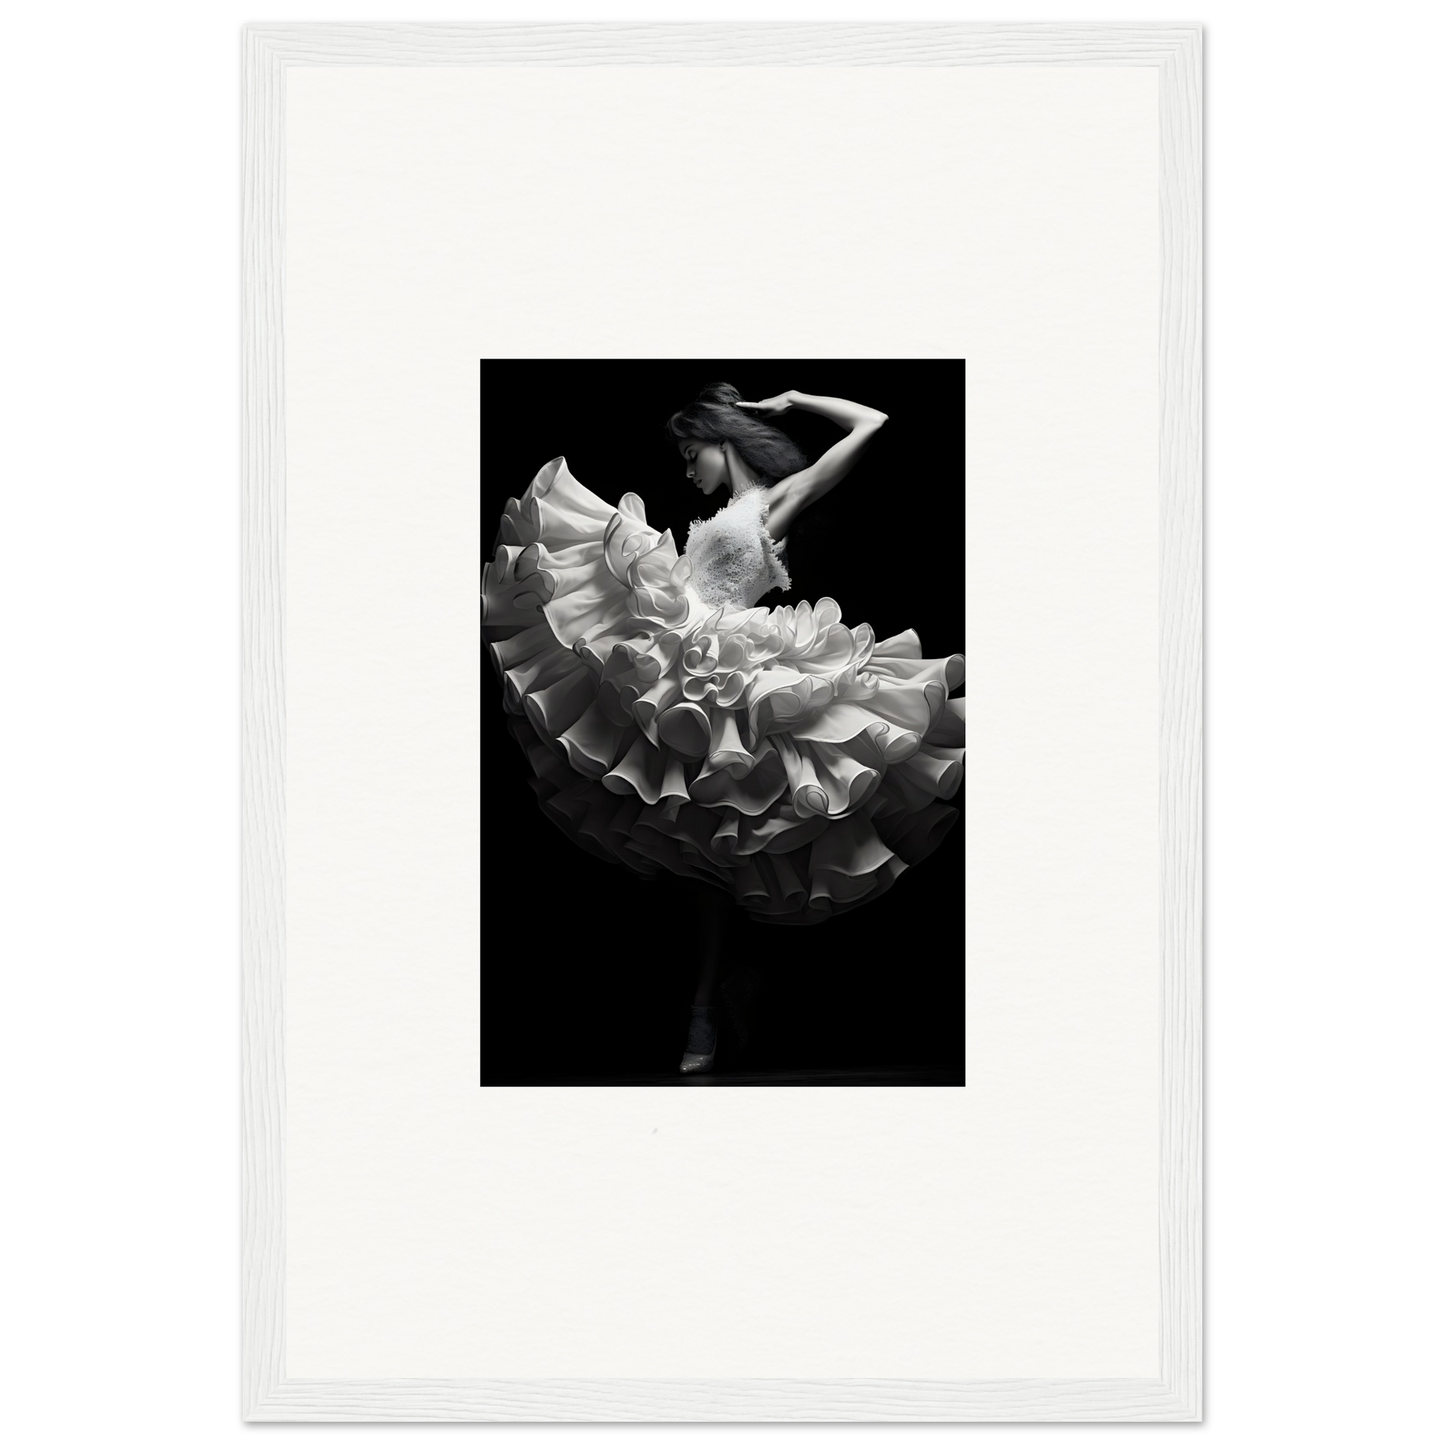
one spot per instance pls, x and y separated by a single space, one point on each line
714 417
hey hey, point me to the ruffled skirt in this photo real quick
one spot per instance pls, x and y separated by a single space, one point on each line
775 752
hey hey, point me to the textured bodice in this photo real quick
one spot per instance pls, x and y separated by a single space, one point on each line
733 558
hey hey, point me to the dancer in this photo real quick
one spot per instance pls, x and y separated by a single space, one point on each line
792 763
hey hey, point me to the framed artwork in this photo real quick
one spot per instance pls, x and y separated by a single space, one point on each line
820 758
655 1006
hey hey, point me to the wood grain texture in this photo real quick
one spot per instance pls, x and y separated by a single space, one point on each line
1181 724
780 43
742 1401
1176 1393
263 728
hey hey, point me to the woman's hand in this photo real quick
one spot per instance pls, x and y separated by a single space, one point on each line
773 406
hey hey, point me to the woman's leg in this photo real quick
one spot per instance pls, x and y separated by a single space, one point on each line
710 918
741 980
710 924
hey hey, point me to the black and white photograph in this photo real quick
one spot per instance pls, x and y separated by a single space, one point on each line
723 724
647 423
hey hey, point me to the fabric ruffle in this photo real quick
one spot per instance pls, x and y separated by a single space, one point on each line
775 752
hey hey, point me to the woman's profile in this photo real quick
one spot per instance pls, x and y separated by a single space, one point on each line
792 764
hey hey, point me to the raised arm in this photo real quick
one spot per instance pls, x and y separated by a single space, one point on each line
802 489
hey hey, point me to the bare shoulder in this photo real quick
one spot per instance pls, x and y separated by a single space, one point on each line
789 487
785 500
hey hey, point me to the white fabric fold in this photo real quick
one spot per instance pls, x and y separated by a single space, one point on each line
779 753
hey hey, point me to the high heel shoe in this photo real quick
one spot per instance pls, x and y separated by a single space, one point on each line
701 1040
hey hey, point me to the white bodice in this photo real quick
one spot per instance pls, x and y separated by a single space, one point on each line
734 560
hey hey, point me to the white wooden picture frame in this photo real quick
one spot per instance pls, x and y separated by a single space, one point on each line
285 548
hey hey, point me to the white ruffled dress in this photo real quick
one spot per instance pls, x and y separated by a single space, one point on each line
674 726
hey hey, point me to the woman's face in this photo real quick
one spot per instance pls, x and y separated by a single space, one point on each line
707 467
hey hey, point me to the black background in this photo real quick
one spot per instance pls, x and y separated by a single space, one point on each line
588 969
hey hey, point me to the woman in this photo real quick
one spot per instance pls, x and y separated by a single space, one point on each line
791 762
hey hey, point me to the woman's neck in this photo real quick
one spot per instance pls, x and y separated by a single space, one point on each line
741 477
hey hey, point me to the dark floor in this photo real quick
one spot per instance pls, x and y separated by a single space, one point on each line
771 1078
